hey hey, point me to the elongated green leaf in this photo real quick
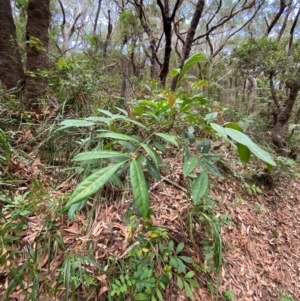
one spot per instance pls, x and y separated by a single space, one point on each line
211 168
233 125
69 123
189 165
159 146
219 129
74 208
188 290
77 123
167 137
130 121
152 154
189 274
139 187
101 154
253 147
179 248
244 153
98 119
105 112
199 186
159 295
141 297
186 259
174 72
211 116
153 171
116 136
92 184
179 282
191 61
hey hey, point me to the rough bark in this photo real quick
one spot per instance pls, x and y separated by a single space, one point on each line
279 130
11 69
189 38
37 45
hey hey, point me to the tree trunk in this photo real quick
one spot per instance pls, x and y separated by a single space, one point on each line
11 69
168 49
189 38
108 36
279 130
252 90
37 45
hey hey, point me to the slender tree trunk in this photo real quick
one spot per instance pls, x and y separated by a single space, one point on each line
167 25
37 45
109 31
189 38
252 93
11 69
279 130
168 49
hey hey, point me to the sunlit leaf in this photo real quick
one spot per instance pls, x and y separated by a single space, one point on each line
174 72
219 129
171 100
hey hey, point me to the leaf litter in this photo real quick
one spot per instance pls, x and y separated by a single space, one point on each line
261 256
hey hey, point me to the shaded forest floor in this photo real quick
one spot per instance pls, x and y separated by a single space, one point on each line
261 252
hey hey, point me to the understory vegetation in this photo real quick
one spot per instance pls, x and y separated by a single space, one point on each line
118 182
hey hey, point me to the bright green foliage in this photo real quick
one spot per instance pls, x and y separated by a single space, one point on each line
270 56
189 63
247 145
286 297
229 296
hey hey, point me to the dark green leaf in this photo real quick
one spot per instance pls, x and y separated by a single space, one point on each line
92 184
168 138
153 171
179 248
199 186
189 165
139 187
